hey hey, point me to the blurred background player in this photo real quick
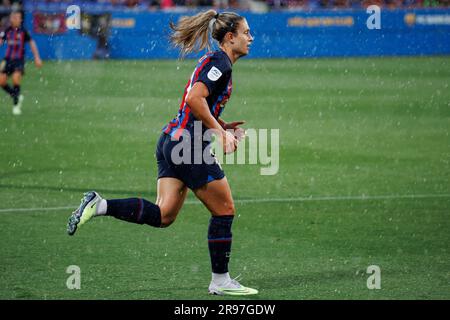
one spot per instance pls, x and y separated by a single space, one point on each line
13 65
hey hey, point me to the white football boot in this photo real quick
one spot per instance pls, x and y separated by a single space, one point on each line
17 109
231 287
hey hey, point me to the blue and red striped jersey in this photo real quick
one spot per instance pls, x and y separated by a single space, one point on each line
15 39
214 70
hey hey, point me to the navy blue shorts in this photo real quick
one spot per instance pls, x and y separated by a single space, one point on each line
11 66
194 175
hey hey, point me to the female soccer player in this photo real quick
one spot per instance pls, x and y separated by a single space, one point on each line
13 64
205 95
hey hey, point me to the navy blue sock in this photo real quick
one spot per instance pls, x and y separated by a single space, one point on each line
15 94
8 89
135 210
219 242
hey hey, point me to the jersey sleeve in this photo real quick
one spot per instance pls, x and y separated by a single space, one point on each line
213 74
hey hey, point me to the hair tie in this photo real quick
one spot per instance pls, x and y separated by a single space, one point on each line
216 16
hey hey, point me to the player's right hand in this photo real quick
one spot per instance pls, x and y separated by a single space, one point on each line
229 142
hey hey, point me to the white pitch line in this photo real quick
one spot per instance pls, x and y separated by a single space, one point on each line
338 198
266 200
37 209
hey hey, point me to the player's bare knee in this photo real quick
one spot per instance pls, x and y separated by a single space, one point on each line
231 209
167 221
168 216
228 209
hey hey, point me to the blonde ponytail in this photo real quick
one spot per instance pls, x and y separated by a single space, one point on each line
192 33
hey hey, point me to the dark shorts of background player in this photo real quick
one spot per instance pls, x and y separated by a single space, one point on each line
193 175
11 66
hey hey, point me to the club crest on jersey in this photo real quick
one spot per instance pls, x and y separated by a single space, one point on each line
214 74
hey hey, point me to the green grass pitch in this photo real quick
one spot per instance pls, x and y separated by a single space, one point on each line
348 128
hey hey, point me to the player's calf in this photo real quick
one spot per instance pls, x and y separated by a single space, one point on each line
135 210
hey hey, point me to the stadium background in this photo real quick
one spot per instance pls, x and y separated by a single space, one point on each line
364 152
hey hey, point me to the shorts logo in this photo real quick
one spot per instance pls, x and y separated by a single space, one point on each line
214 74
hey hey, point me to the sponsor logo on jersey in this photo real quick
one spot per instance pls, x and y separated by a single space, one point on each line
214 74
